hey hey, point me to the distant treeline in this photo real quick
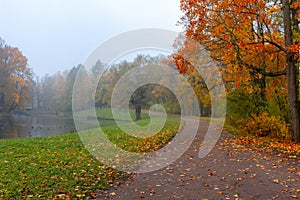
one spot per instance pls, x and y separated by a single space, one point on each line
54 92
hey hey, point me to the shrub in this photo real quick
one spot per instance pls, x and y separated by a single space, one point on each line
263 125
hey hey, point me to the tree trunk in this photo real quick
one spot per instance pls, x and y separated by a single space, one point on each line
138 110
291 74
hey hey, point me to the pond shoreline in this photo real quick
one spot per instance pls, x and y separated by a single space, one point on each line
35 124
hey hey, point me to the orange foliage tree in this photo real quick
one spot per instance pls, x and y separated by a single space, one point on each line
256 42
15 79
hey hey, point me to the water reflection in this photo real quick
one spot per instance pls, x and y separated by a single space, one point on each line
23 126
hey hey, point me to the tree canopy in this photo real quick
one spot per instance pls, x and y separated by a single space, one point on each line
256 44
15 79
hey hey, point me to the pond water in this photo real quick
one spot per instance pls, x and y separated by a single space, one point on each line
25 126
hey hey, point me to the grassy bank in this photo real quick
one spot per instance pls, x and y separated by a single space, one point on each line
60 167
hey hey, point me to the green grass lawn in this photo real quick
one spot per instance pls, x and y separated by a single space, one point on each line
61 167
134 144
106 118
107 113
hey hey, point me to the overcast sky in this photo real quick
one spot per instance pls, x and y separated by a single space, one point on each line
59 34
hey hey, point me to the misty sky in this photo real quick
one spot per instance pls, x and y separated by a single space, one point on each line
59 34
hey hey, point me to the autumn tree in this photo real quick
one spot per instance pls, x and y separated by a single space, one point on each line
141 96
255 42
15 79
70 79
144 96
54 92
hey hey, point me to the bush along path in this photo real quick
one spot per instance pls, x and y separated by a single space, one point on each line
232 170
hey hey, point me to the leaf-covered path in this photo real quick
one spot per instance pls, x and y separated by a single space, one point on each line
230 171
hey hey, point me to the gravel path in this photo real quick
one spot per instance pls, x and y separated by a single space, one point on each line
229 171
